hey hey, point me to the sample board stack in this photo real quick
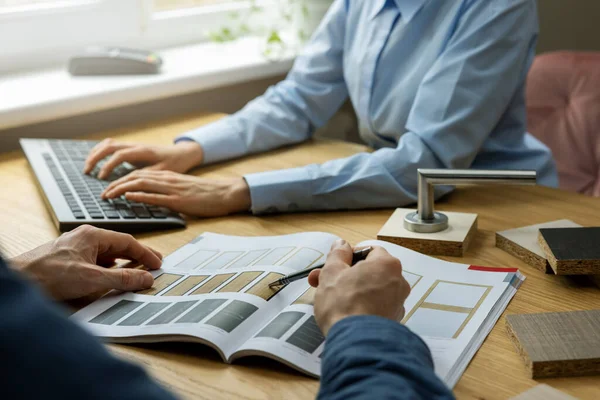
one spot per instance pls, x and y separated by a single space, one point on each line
565 343
559 247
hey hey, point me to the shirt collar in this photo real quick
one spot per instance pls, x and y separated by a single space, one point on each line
407 8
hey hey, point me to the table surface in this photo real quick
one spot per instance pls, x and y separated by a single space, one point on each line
195 371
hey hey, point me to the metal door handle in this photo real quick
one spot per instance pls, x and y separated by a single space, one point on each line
426 220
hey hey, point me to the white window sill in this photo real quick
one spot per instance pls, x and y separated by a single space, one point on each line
51 94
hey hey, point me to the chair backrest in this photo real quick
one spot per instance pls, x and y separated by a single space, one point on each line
563 106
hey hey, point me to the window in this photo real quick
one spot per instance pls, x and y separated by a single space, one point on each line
36 33
163 5
26 3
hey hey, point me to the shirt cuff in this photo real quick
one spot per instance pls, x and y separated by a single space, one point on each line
285 190
219 141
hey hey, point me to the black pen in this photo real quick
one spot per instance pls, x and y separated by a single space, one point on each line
357 256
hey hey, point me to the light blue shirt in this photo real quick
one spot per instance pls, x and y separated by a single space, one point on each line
435 84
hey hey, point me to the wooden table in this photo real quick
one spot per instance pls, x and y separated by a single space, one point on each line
194 371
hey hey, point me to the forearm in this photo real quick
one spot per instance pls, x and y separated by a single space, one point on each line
191 154
19 262
373 357
383 179
22 262
264 124
43 347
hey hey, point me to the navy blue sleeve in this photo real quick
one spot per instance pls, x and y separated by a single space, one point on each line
44 355
369 357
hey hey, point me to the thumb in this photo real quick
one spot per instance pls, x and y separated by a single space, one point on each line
128 279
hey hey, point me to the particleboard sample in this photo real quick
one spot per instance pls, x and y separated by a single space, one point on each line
558 344
453 241
523 243
572 251
543 392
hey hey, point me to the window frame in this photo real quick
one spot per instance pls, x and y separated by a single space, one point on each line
132 23
49 42
179 27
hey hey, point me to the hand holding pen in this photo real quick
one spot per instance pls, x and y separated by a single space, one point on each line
374 286
357 255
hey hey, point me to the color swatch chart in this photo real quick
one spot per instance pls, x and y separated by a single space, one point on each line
250 282
445 309
138 313
306 336
296 258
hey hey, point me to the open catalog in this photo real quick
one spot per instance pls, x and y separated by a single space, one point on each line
215 290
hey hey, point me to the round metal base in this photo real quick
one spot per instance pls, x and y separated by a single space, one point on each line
413 223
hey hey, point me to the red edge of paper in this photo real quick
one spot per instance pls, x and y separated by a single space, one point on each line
492 269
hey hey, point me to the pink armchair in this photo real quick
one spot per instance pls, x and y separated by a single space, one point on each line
563 105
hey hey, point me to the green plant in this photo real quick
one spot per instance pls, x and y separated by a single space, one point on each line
275 44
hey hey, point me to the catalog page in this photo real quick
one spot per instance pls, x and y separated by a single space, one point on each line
452 306
292 336
213 290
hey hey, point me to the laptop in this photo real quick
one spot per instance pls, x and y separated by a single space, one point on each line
73 198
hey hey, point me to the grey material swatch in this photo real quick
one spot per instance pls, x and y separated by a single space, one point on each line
116 312
232 315
280 325
308 337
172 312
144 314
201 311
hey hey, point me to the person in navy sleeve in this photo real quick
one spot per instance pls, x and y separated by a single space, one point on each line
368 354
434 84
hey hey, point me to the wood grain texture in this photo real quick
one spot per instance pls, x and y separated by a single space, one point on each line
558 344
543 392
523 243
196 372
160 283
572 251
186 285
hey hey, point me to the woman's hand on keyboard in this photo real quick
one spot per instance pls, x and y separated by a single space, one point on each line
183 193
180 157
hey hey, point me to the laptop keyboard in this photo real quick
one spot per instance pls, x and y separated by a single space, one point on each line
71 156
